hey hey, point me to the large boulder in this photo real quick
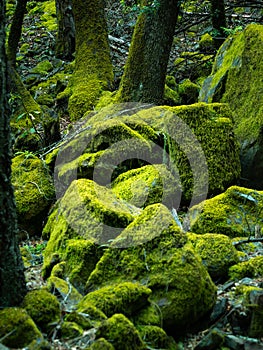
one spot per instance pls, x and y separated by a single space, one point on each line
87 217
237 79
235 213
165 263
34 192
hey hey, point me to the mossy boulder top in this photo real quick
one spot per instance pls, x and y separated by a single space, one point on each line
237 79
195 142
235 213
34 191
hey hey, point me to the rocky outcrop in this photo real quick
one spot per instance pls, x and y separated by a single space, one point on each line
237 79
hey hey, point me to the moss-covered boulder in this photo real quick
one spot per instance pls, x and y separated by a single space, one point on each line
34 192
43 307
25 329
86 217
156 338
217 253
70 330
180 284
64 292
196 141
250 268
236 78
148 185
126 298
235 213
121 333
101 344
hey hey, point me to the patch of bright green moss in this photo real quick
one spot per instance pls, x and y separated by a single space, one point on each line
42 67
25 329
148 185
101 344
63 290
155 337
235 212
236 78
180 284
126 298
250 268
70 330
216 251
34 191
121 333
43 307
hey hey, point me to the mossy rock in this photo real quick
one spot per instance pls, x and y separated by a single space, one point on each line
188 92
42 68
156 338
64 291
251 268
79 318
155 220
70 330
171 96
236 79
126 298
236 213
43 307
25 329
101 344
148 185
121 333
180 284
103 146
86 217
206 43
217 253
34 192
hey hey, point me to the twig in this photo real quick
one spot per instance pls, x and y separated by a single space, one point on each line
249 240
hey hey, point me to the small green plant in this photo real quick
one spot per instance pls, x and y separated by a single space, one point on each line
36 248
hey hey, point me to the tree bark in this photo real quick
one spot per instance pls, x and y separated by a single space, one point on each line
12 279
145 70
218 18
15 31
65 43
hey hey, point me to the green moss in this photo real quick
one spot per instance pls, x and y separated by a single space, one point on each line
217 253
70 330
63 290
188 92
126 298
236 78
93 69
148 185
95 315
43 307
206 43
101 344
155 337
121 333
250 268
171 97
42 68
150 316
80 318
155 220
236 212
181 286
34 191
48 18
25 329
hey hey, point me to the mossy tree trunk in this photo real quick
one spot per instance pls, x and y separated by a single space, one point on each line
65 42
12 279
93 69
145 70
218 18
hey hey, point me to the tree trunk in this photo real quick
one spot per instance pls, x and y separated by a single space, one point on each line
65 43
218 18
15 31
144 74
12 279
93 69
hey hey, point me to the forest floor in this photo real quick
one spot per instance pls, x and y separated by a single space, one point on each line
120 27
